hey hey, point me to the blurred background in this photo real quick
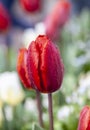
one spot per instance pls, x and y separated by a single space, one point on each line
68 26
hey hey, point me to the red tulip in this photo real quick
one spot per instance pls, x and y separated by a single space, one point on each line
57 18
21 68
31 5
4 18
84 121
44 65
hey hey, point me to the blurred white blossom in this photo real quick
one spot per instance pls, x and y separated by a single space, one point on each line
64 112
84 85
40 28
28 36
30 105
10 88
82 92
75 98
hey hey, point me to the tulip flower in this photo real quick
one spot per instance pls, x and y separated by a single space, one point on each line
44 65
21 68
40 67
57 18
45 68
30 5
4 18
84 120
22 72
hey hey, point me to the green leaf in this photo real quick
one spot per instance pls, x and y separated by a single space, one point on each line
36 127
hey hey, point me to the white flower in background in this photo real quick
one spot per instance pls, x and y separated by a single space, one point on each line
75 98
30 105
82 92
10 88
64 112
72 98
40 28
84 85
30 34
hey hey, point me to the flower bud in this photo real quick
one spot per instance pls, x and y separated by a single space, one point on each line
44 65
57 18
31 5
84 120
4 18
21 68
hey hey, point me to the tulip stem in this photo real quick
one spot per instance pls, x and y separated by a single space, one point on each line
50 110
39 106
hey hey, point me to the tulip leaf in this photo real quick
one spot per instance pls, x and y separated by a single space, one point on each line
36 127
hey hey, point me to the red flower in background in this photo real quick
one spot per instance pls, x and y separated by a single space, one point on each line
44 65
21 68
57 18
4 18
84 121
31 5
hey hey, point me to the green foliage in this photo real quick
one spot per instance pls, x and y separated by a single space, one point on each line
36 127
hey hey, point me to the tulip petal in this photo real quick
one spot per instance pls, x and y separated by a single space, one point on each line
51 66
88 128
21 68
33 65
84 119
